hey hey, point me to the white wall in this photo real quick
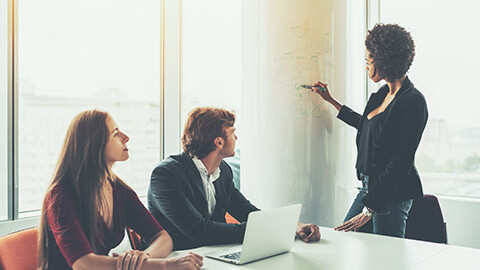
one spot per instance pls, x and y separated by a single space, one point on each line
295 150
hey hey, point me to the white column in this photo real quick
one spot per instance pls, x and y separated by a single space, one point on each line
294 149
171 87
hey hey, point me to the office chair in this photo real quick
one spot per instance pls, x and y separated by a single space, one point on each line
19 250
425 221
136 242
230 219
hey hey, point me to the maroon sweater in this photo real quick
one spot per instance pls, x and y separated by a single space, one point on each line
67 231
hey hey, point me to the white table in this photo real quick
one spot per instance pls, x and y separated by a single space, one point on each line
355 251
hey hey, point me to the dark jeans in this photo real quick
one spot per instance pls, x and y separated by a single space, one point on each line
389 221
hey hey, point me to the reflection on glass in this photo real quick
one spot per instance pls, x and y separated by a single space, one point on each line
445 70
93 54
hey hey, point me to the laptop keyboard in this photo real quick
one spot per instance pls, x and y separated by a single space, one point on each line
232 256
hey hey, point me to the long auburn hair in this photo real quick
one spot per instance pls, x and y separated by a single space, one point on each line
82 168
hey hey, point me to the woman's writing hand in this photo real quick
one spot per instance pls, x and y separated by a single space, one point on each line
131 260
325 94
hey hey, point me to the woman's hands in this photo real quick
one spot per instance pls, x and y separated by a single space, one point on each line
354 223
134 259
190 262
131 260
325 94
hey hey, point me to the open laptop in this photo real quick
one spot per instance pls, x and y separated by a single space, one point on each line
268 233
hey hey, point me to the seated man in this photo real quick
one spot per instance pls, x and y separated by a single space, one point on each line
190 193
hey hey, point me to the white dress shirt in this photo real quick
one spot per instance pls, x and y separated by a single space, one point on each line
207 181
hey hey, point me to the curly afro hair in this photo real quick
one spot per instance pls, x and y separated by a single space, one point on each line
392 49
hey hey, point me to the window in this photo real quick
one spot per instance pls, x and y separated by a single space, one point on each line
211 55
212 61
73 57
3 111
445 70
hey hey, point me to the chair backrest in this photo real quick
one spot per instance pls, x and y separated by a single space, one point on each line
19 250
425 221
135 239
230 219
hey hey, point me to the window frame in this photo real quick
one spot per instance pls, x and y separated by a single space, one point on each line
12 109
7 172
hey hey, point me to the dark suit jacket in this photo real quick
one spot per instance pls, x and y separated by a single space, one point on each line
393 176
176 198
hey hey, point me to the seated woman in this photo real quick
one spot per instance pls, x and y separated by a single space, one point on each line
87 206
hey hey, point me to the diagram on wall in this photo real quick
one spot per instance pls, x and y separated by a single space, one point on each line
304 51
287 44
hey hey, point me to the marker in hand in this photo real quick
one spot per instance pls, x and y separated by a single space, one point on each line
306 86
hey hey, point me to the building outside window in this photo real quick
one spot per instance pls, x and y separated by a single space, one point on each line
98 57
445 70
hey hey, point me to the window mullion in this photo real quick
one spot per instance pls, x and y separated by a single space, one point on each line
12 111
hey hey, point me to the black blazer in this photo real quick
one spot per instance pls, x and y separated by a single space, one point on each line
393 176
176 198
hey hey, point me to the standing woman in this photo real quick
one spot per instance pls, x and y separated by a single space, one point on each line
87 206
389 132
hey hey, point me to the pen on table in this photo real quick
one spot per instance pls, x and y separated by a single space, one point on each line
310 87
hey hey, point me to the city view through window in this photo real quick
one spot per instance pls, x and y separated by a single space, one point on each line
445 70
98 57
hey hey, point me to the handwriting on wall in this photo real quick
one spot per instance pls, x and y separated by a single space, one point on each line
304 50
